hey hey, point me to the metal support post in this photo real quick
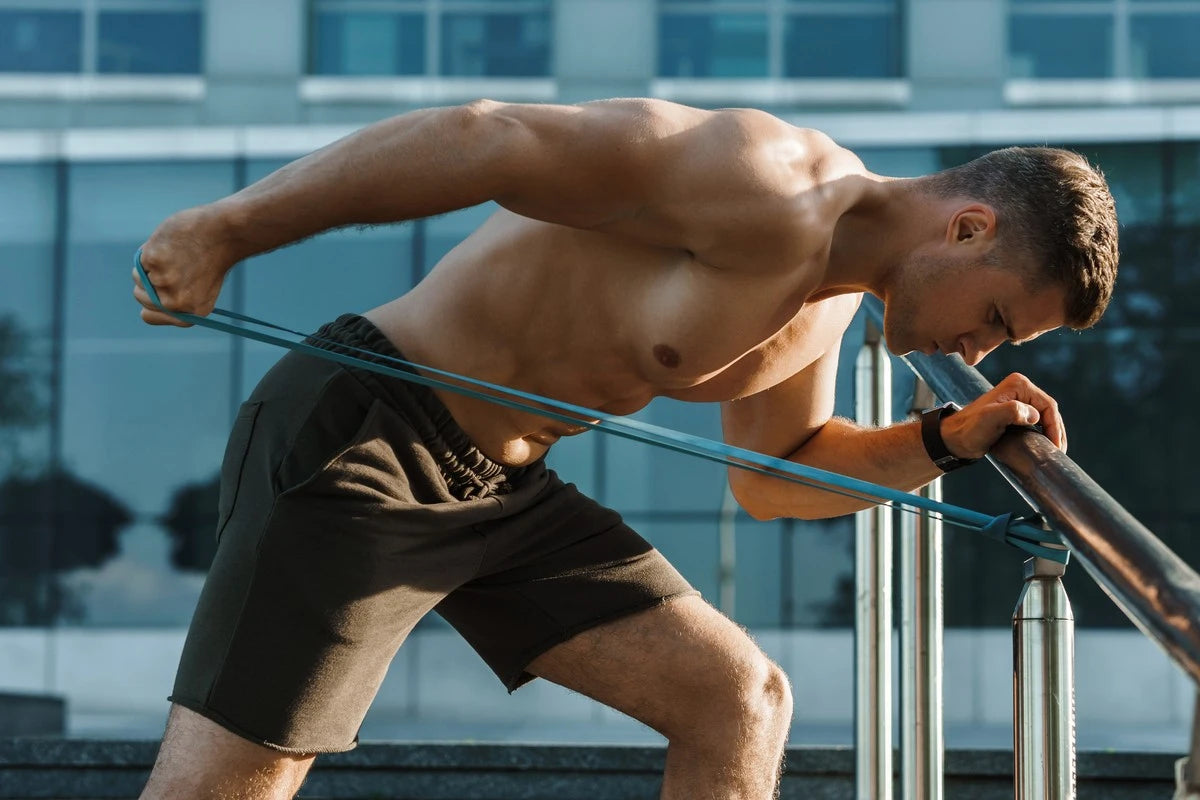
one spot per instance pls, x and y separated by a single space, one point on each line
922 740
1044 685
873 593
1187 770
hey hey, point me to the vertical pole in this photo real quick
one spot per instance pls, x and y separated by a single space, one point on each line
922 742
1187 770
1044 685
873 594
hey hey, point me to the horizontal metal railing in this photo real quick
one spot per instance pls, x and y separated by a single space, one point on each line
1155 588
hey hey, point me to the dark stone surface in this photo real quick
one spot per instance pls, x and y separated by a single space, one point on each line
90 770
32 715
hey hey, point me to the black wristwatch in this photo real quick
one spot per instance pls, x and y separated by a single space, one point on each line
931 436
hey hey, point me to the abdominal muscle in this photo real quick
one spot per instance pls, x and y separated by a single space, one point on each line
580 317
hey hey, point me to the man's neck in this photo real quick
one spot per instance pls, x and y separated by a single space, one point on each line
873 236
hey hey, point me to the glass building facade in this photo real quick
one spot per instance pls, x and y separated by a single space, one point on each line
140 37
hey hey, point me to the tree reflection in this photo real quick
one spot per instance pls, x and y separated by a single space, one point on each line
50 521
191 525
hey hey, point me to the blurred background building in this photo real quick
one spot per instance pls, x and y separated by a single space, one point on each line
115 113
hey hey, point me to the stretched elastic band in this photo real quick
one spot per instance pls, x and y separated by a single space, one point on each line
1010 528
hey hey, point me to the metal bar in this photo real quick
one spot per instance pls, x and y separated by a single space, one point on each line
873 594
922 740
1044 685
1153 586
1187 770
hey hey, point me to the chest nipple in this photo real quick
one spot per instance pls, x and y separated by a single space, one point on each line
667 356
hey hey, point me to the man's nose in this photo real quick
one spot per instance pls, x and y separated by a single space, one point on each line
976 347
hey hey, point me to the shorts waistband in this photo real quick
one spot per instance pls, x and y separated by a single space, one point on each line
469 473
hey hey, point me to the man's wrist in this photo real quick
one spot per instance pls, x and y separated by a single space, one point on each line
935 445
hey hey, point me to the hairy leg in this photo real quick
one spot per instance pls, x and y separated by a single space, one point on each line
200 759
690 673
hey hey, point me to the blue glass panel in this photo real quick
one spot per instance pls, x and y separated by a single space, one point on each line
146 410
1166 45
27 224
1060 46
1185 199
40 41
692 546
843 46
156 43
368 44
640 478
1135 176
513 45
712 46
309 284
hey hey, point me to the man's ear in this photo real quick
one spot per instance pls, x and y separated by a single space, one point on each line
973 224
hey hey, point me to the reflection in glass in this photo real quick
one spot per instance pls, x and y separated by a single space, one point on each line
50 525
153 42
1185 183
1165 45
712 46
842 46
496 45
1060 46
146 409
362 43
40 41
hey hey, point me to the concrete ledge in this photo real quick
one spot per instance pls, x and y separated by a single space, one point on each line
32 715
80 769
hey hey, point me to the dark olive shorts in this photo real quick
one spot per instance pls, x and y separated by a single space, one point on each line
351 505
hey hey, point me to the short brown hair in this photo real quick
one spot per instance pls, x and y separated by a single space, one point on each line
1053 207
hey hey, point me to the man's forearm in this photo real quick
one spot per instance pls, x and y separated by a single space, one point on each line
413 165
892 456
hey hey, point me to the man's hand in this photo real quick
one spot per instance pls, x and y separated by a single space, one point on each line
186 259
1014 401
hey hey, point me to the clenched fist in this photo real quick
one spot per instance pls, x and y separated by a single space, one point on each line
186 259
1014 401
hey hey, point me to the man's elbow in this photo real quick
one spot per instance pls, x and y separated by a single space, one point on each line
757 495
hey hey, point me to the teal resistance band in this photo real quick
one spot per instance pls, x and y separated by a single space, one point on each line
1013 529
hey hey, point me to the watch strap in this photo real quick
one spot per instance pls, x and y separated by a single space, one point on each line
935 445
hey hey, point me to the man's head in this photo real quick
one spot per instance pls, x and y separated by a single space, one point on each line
1030 241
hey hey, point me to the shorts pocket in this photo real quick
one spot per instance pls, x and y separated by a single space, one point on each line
234 462
332 439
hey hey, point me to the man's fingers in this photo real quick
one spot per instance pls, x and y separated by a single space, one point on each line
153 317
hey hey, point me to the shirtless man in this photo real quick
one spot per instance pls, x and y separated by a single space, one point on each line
643 249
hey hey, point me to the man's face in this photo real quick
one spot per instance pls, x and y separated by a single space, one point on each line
939 304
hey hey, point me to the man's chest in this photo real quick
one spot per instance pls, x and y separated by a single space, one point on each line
815 330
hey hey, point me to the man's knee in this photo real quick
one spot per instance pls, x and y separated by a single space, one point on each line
766 696
753 698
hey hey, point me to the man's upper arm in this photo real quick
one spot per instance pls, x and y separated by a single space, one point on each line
650 169
779 420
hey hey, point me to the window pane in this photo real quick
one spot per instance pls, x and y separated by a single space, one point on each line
842 46
146 410
1135 176
712 46
1165 45
1185 195
149 43
369 44
40 41
27 225
512 45
1060 46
